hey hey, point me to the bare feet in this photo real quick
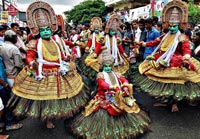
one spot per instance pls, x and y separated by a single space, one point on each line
159 105
14 126
4 136
174 108
50 125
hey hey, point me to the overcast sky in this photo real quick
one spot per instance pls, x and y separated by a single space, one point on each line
59 6
58 2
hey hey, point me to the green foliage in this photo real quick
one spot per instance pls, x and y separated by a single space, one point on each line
84 11
194 12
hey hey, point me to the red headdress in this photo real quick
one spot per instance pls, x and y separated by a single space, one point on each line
96 23
175 12
40 14
61 22
114 22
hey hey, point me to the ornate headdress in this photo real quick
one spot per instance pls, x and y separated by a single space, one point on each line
106 58
60 22
40 14
95 22
114 22
175 12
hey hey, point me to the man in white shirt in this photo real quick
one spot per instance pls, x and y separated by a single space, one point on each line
11 56
20 44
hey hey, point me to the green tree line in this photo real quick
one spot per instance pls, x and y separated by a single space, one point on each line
83 12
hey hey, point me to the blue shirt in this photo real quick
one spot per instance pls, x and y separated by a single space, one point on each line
2 72
152 35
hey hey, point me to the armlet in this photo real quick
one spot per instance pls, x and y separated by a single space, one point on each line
183 38
100 75
32 45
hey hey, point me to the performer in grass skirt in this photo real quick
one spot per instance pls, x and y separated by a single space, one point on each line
170 73
111 43
88 64
112 113
65 45
48 87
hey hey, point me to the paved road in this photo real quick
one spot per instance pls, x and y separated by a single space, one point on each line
184 124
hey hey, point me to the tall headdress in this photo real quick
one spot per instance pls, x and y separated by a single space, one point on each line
175 12
106 58
114 22
95 23
40 14
61 22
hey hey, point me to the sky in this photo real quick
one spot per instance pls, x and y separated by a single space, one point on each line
59 6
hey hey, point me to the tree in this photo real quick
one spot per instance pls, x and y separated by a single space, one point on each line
194 12
83 12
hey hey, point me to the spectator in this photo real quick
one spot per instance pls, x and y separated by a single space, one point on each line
190 30
5 91
11 56
142 37
2 31
20 44
158 26
1 114
196 43
155 20
127 38
152 34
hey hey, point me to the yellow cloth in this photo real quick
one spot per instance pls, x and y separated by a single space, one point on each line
171 75
49 51
167 43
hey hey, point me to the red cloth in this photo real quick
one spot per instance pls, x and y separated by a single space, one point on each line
69 43
182 49
102 88
89 43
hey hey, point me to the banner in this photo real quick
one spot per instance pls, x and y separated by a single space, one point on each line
4 17
141 12
157 7
12 10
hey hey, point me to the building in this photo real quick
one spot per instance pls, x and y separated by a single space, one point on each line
119 5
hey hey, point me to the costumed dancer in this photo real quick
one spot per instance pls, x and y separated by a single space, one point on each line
85 33
66 46
112 113
89 64
170 73
75 38
48 87
112 45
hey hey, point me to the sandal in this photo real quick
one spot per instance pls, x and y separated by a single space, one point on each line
14 126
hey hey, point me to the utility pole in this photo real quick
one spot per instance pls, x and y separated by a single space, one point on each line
3 5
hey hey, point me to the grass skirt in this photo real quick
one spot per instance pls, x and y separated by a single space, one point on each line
178 91
49 109
54 96
85 70
101 125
